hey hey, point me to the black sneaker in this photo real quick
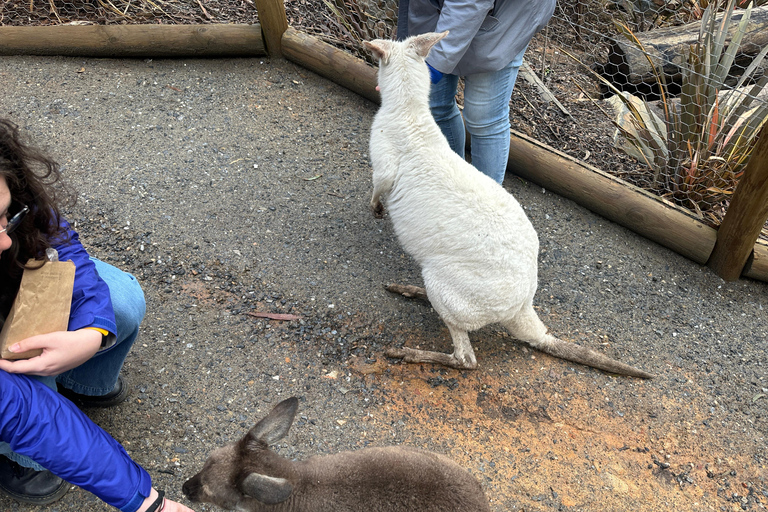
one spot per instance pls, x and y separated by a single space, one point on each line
30 486
118 395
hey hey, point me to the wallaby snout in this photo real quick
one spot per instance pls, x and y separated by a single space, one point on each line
192 487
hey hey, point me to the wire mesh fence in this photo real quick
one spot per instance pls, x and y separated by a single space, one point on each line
681 86
667 95
111 12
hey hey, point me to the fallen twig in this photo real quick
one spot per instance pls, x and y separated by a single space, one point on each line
546 95
273 316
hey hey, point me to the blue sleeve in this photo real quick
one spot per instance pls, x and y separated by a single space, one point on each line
41 424
91 301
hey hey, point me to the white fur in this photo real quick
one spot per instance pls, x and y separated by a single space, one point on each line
477 249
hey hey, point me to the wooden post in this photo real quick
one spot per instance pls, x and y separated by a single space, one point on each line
273 23
745 217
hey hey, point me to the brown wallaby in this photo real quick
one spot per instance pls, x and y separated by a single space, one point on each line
477 250
248 476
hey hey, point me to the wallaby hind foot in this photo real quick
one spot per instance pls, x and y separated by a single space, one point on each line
413 355
521 328
463 357
408 290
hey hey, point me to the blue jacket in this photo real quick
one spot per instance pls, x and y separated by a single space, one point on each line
91 302
41 424
38 422
485 35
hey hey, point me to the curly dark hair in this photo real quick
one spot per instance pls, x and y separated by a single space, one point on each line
34 180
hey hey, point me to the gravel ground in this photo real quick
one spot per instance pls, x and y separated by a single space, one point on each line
233 188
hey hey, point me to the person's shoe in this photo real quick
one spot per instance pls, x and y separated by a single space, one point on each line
30 486
118 395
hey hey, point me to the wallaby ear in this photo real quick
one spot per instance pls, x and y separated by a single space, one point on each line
424 42
379 48
266 489
276 424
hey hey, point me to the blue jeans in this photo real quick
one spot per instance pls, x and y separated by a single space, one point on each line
98 375
486 114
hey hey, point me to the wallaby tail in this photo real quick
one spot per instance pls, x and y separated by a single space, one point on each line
582 355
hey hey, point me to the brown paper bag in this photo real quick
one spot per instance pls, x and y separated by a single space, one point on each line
41 306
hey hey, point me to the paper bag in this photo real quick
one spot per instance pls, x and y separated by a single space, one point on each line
41 306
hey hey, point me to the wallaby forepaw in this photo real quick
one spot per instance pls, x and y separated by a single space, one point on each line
378 209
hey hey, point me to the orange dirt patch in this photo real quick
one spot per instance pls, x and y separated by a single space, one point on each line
541 436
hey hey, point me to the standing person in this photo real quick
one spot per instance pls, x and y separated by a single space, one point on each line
485 45
40 431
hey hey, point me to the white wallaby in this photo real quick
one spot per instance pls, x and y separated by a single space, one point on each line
477 249
247 476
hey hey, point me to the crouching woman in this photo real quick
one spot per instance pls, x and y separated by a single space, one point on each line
45 440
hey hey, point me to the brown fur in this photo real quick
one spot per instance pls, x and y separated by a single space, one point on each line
249 477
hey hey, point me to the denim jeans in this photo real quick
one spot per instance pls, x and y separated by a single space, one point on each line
486 114
98 375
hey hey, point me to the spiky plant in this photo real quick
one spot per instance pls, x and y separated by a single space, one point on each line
699 146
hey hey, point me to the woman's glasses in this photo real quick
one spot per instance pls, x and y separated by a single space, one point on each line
15 221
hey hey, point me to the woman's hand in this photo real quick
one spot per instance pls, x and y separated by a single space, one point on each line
172 506
62 351
168 505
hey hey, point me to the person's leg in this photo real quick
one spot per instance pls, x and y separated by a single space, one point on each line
21 460
486 113
98 376
24 479
442 103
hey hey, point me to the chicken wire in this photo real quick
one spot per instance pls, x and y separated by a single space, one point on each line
112 12
638 60
583 55
580 56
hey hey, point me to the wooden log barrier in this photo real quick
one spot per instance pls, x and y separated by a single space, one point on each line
588 186
137 41
611 197
331 63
